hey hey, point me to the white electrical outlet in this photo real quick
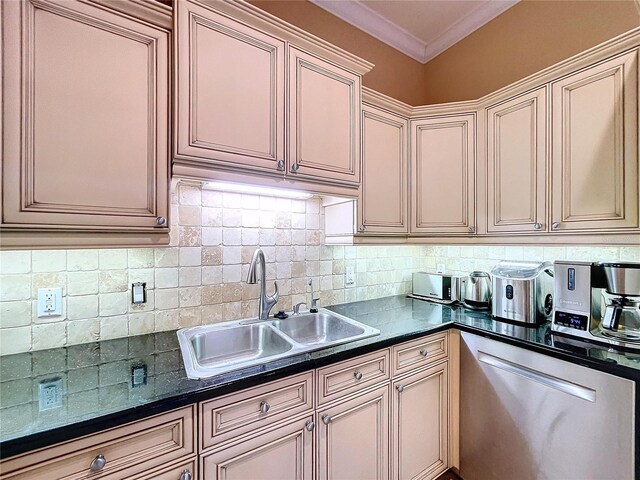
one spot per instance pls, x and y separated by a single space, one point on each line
440 268
50 394
49 302
350 276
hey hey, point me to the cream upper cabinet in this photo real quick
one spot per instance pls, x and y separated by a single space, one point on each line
85 121
595 147
230 91
384 195
443 174
353 438
516 164
324 120
420 424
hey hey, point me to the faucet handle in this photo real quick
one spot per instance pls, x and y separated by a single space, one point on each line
276 294
314 305
296 307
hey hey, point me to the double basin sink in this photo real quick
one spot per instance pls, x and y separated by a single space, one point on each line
212 350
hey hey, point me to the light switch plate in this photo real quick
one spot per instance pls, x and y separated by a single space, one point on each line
138 293
440 268
350 276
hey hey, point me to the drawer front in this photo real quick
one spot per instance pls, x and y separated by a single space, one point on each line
180 471
232 415
127 450
351 376
419 353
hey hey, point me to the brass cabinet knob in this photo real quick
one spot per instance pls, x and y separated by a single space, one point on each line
400 388
281 165
358 375
424 352
472 229
326 419
161 221
555 225
185 475
537 226
295 167
309 425
264 407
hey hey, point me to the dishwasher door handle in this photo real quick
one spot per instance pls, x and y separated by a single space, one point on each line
540 377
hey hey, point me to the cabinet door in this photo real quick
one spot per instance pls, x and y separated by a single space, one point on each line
324 120
285 452
516 157
595 147
230 91
85 118
443 174
384 196
353 438
420 424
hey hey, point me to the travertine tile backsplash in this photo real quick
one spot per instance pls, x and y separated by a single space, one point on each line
200 277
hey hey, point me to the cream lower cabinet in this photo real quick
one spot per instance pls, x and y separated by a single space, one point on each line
420 424
283 452
443 175
384 196
85 123
353 438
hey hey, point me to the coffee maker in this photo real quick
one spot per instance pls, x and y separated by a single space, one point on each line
598 302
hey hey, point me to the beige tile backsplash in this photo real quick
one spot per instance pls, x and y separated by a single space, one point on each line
199 278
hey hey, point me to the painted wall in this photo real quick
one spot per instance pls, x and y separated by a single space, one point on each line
395 74
530 36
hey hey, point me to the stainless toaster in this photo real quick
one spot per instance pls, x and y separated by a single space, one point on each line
438 286
522 291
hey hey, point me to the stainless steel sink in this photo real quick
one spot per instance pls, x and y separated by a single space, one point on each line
318 328
211 350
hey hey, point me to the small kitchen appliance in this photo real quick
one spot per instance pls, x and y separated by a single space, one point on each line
438 287
477 292
522 291
598 302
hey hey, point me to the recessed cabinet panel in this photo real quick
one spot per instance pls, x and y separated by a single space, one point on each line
383 205
595 147
285 452
353 438
443 175
230 90
516 183
86 93
420 424
324 102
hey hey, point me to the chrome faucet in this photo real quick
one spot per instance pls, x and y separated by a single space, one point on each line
266 303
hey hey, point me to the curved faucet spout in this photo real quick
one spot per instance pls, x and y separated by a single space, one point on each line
265 302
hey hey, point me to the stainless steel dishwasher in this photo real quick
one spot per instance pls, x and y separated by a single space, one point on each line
524 415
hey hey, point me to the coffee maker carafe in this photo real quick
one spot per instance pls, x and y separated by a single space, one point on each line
621 298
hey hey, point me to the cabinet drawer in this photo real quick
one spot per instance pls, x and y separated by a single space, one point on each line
350 376
227 417
129 450
419 353
180 471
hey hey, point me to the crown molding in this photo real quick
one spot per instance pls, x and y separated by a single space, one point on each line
367 20
370 21
466 25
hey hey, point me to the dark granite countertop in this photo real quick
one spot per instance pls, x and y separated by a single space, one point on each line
98 390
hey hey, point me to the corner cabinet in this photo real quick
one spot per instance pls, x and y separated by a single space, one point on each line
85 123
260 101
382 208
595 147
443 170
516 164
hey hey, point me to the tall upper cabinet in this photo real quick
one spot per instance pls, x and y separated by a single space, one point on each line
234 113
443 159
594 147
516 167
85 118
